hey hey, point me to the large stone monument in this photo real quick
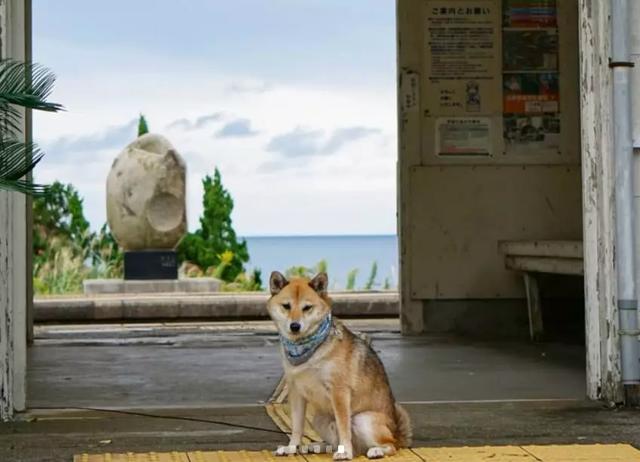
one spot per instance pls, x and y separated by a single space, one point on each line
146 206
146 211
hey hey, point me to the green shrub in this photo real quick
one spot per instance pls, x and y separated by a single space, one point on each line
61 273
215 243
59 215
351 279
107 259
372 276
143 128
305 271
244 283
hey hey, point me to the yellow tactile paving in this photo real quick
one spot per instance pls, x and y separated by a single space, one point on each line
476 454
134 457
551 453
585 453
238 456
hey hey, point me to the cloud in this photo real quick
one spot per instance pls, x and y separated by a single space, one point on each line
239 128
304 142
200 122
116 136
343 136
299 142
249 87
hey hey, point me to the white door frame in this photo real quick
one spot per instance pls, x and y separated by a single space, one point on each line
604 379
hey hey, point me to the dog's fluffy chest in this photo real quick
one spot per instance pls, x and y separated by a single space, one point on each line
313 383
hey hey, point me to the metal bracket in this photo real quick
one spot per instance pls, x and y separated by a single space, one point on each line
632 333
613 64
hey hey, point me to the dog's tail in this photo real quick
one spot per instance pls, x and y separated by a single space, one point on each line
404 433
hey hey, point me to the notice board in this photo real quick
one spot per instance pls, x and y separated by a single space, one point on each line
500 81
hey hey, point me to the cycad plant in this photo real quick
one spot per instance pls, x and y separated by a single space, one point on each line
25 85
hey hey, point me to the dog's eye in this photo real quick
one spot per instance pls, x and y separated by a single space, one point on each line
286 306
307 307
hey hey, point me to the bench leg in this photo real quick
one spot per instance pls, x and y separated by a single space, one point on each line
533 304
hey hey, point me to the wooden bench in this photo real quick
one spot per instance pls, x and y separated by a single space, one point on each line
534 257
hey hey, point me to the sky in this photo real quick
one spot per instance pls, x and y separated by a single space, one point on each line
293 100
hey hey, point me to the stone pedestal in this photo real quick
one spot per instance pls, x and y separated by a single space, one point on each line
150 264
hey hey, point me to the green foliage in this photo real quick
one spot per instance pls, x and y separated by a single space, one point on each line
215 243
305 271
351 279
59 215
372 276
143 128
321 266
63 244
61 272
387 284
298 272
107 258
27 85
244 283
17 159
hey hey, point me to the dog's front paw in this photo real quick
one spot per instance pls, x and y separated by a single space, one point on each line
375 453
343 453
285 451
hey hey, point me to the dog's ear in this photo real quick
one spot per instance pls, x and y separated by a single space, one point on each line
277 282
320 283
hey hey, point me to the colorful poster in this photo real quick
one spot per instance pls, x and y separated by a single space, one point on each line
531 93
532 132
535 50
529 13
463 136
462 57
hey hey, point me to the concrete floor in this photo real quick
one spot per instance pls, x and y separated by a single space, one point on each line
204 365
189 379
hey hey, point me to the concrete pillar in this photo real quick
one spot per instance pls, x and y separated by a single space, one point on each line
409 30
13 249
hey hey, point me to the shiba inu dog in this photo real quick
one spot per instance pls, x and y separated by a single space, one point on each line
330 368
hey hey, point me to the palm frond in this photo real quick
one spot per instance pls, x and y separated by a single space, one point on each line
27 85
16 160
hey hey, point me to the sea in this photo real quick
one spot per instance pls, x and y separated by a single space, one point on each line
341 253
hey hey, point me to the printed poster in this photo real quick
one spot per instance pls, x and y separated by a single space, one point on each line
463 136
530 50
531 93
532 132
462 57
529 13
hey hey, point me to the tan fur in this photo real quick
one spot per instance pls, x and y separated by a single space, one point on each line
344 380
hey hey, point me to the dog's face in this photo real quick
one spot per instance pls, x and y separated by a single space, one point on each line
298 306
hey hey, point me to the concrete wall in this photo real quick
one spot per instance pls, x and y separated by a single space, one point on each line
455 209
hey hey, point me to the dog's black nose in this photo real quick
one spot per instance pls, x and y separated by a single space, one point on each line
295 327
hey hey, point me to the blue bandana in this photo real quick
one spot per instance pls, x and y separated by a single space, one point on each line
299 351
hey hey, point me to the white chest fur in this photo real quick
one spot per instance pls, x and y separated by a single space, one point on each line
311 381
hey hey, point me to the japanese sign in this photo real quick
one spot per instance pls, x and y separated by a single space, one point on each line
463 136
462 57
